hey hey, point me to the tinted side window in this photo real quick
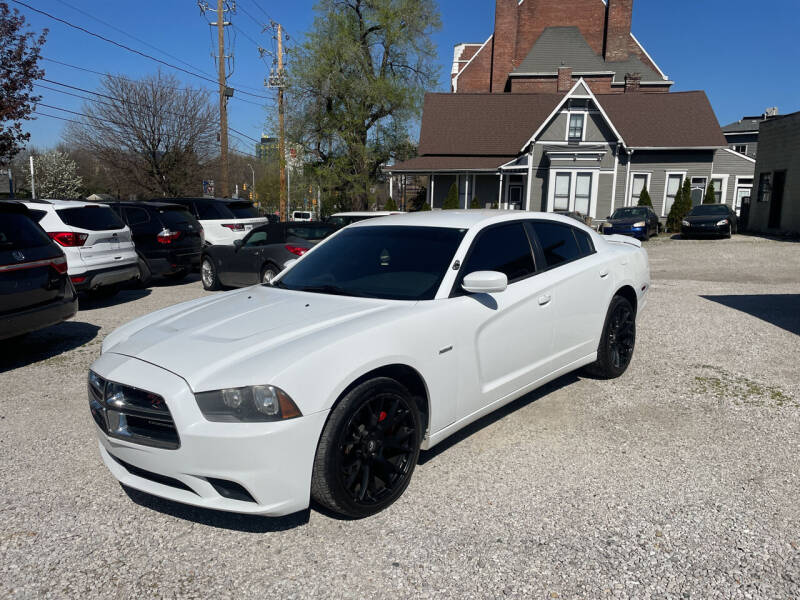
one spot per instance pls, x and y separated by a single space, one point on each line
136 216
211 211
505 249
584 242
558 243
93 218
257 238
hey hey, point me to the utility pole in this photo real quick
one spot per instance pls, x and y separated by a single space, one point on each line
282 128
223 101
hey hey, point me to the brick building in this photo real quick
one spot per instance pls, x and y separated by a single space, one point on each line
544 46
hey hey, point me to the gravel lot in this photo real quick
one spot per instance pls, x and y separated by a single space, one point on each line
679 480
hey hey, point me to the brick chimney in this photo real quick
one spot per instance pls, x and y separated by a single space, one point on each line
504 42
619 14
633 82
564 79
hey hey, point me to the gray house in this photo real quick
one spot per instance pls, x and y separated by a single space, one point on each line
576 150
776 206
742 136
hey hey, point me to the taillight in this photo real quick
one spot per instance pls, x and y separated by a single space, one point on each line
69 239
167 236
59 264
234 226
298 250
78 278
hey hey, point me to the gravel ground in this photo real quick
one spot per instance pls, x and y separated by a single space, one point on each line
679 480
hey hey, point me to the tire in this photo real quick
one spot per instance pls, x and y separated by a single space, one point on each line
177 275
268 272
618 341
145 274
352 447
208 274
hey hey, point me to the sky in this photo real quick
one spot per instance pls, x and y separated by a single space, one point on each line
743 54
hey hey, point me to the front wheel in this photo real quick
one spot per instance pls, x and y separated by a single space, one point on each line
208 273
617 343
268 273
368 449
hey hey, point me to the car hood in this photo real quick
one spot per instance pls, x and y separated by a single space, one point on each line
704 219
626 221
204 340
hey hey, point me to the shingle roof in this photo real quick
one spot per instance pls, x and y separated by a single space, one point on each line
566 46
746 124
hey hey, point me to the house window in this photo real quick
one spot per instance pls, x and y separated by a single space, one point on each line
673 185
740 148
640 181
561 196
583 192
718 184
765 187
576 122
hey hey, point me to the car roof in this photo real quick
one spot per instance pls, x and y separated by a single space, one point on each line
148 204
56 204
13 206
462 219
182 200
365 213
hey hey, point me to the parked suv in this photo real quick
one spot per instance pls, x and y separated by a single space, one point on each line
169 240
224 220
98 245
35 291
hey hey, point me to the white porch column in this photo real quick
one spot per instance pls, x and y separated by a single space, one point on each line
529 187
466 190
391 186
500 193
432 191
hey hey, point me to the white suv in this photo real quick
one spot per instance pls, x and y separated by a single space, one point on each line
98 245
224 220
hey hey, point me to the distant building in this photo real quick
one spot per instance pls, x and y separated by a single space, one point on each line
775 208
267 148
742 136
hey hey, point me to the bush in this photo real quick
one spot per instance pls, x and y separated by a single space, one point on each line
710 197
390 204
451 202
425 207
644 198
475 203
676 213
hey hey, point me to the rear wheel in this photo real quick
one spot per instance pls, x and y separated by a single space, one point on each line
208 273
145 275
617 343
368 449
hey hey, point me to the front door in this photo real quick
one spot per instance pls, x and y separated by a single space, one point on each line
742 192
698 190
515 193
776 202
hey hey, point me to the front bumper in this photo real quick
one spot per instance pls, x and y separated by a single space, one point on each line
702 230
39 317
91 280
637 232
273 462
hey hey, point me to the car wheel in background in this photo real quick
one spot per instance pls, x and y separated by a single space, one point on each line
269 272
145 275
617 342
368 449
208 273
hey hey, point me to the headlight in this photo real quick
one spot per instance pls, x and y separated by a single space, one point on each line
640 224
686 223
721 223
253 404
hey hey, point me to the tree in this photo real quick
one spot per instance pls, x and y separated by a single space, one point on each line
451 201
155 136
644 198
425 207
355 86
390 204
710 197
676 213
475 203
687 197
56 176
19 69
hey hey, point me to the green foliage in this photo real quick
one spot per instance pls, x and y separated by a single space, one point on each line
356 85
425 207
390 204
710 197
687 197
56 176
475 203
644 198
675 215
451 201
268 188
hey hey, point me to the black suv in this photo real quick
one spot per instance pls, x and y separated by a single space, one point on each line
168 239
35 291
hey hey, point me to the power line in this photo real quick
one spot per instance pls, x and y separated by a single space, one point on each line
128 48
42 114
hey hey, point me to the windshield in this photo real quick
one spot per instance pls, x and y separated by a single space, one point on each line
243 210
630 212
709 210
93 218
318 232
389 262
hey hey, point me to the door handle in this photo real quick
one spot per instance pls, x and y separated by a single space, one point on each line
545 299
603 273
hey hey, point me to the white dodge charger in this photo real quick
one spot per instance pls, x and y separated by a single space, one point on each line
386 338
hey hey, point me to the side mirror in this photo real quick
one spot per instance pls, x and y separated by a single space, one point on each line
289 263
238 243
485 282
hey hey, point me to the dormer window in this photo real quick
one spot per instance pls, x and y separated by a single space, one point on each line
576 123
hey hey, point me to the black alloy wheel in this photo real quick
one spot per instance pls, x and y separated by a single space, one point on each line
618 341
368 449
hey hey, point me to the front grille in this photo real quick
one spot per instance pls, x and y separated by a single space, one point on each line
128 413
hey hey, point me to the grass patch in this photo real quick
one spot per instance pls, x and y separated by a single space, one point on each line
739 389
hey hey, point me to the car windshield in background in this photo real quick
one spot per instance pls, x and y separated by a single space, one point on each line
338 221
18 232
176 217
629 213
706 210
92 218
302 215
390 262
213 211
310 233
243 210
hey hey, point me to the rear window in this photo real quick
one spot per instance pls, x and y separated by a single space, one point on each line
210 211
176 217
310 233
558 243
92 218
18 232
243 210
302 215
